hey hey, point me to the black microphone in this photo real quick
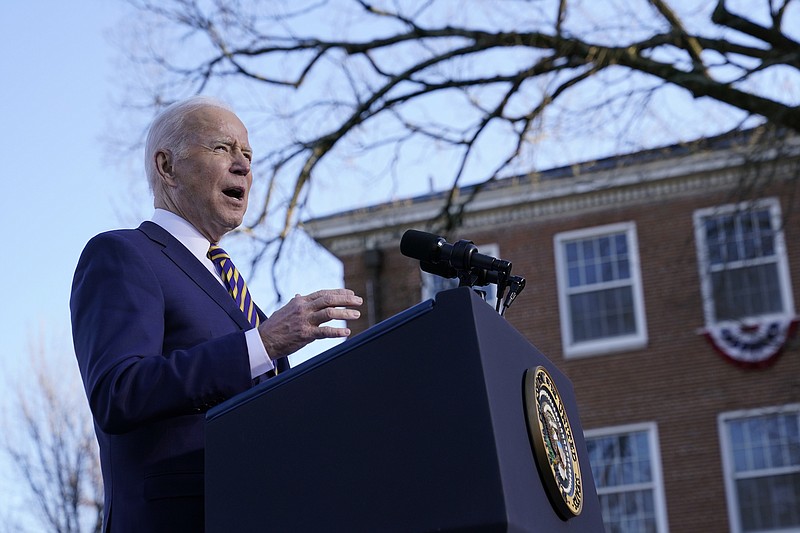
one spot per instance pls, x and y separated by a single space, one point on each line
462 260
480 276
463 255
420 245
443 270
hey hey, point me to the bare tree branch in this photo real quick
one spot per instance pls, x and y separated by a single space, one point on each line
54 450
345 69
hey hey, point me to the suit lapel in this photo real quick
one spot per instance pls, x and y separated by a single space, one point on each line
193 268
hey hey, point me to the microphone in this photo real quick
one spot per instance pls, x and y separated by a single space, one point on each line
463 261
481 277
463 255
438 269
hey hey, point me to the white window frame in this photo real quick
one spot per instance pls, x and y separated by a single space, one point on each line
429 281
633 341
780 256
727 459
657 482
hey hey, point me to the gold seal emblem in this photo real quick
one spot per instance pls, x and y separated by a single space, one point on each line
553 443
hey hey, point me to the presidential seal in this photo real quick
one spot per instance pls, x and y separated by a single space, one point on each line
553 443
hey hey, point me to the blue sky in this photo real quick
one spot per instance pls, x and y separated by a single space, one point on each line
54 100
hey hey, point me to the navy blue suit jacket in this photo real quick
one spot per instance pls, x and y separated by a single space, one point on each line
159 341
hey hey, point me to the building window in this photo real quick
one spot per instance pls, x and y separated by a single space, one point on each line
626 466
761 459
433 284
743 268
600 290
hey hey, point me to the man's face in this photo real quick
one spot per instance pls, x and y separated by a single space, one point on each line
210 180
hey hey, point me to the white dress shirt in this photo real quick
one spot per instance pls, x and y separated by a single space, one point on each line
198 245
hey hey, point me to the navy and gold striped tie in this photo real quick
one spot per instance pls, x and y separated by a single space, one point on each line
235 283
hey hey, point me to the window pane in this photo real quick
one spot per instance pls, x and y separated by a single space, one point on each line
621 465
572 252
767 234
631 512
712 235
624 269
600 292
767 470
602 314
587 247
793 440
747 291
621 244
603 458
604 246
743 264
727 238
769 502
608 270
620 459
749 237
590 273
574 274
600 259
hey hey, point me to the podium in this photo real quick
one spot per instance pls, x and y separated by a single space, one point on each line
418 424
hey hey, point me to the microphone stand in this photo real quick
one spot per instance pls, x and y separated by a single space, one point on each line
517 284
481 277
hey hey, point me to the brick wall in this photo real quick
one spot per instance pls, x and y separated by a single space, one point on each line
678 381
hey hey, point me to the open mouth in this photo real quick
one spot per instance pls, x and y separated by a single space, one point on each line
234 192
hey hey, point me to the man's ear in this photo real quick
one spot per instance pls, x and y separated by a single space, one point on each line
164 166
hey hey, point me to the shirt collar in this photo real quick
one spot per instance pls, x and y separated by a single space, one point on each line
182 230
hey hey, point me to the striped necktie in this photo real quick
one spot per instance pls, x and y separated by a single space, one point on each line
235 283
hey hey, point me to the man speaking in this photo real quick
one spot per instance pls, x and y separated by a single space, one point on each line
164 327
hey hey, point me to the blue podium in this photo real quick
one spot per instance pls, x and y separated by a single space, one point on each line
441 418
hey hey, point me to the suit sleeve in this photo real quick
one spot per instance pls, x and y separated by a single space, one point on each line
118 311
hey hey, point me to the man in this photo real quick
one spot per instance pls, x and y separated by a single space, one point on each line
158 338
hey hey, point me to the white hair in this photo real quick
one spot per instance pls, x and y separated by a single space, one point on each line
168 132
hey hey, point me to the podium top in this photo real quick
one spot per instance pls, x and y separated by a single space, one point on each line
353 342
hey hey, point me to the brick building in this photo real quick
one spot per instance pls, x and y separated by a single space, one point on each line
663 284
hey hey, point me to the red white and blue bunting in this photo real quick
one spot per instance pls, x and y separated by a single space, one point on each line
751 344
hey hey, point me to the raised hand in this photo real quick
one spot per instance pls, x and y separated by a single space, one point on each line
300 321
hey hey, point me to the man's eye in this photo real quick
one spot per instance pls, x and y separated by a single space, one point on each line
248 156
220 148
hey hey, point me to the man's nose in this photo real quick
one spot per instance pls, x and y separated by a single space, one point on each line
240 165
